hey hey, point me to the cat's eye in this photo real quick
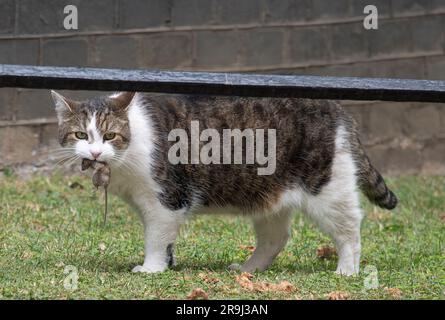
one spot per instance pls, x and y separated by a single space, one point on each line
81 135
109 136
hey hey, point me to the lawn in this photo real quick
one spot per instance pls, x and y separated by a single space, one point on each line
52 225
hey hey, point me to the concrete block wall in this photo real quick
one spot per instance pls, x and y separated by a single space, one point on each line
317 37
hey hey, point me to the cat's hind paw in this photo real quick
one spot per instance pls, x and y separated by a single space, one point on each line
146 269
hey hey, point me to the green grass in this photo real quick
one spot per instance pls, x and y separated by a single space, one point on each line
46 225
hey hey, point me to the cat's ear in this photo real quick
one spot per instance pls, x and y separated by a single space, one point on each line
122 100
63 104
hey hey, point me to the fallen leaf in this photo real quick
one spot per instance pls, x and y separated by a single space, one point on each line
198 293
207 278
442 217
285 286
27 255
38 226
248 248
245 281
338 295
396 293
102 247
260 286
326 252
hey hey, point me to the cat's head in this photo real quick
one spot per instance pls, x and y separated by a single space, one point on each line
95 129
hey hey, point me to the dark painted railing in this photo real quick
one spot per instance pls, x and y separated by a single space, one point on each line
315 87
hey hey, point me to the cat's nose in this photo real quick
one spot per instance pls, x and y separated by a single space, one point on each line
96 154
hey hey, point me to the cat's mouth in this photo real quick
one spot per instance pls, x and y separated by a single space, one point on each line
89 163
101 174
103 157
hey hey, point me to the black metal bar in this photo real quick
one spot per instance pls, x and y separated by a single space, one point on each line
315 87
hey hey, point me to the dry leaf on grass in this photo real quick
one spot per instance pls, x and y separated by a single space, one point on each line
38 226
102 247
338 295
396 293
248 248
442 217
326 252
285 286
27 255
207 278
245 281
197 294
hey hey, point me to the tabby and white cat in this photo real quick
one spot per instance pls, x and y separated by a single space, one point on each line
320 165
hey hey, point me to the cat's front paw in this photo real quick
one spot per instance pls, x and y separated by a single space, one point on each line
147 269
347 272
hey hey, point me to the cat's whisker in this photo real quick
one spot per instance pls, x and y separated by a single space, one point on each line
124 163
64 161
61 149
68 160
61 155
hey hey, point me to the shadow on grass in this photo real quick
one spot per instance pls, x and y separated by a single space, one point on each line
93 265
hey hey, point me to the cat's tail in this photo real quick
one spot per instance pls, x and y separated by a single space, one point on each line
371 182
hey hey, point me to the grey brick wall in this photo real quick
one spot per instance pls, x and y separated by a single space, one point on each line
316 37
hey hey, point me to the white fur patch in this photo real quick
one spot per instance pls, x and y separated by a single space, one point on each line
132 177
342 185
